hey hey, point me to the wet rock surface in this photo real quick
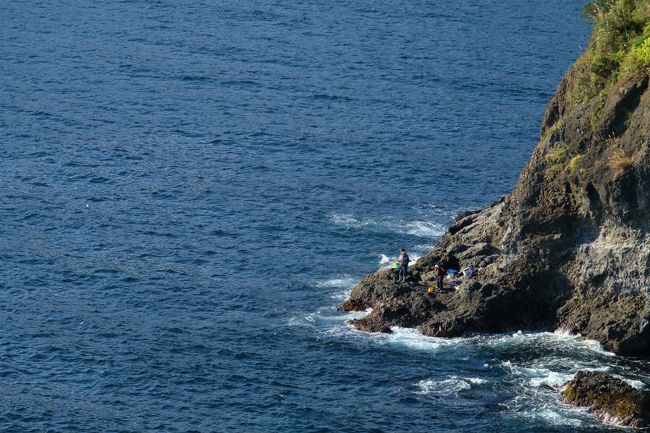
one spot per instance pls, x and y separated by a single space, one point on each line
609 398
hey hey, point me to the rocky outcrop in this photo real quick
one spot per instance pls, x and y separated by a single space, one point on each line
609 398
568 248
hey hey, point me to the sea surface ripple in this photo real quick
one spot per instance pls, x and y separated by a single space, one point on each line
190 188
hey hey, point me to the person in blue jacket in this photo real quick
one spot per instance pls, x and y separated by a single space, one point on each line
403 261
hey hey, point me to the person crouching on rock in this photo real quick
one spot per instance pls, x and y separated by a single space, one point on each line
440 275
403 261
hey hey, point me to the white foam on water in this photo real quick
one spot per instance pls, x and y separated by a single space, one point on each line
596 347
550 339
543 376
424 229
413 339
294 321
585 342
477 380
350 221
345 282
540 374
553 415
547 409
564 332
329 315
451 385
632 382
426 386
533 383
340 296
552 378
347 331
301 320
328 321
424 247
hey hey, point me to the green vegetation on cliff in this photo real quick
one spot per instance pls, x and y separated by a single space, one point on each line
619 47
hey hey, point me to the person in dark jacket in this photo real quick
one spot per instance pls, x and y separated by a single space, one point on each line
403 261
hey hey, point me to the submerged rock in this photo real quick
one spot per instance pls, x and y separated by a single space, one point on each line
609 398
568 248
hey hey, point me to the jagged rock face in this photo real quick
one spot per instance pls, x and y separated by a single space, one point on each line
568 248
609 398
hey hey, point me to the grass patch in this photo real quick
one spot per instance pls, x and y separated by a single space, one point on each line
619 162
573 164
556 157
554 128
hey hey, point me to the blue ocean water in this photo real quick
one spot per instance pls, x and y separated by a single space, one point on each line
190 188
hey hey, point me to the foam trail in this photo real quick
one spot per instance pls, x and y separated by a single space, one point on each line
424 229
345 282
349 221
328 320
451 385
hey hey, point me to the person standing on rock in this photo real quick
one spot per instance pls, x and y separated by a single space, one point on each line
440 275
403 261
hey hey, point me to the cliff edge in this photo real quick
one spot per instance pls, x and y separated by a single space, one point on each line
569 247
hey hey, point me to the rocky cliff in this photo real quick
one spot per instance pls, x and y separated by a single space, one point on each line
569 247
